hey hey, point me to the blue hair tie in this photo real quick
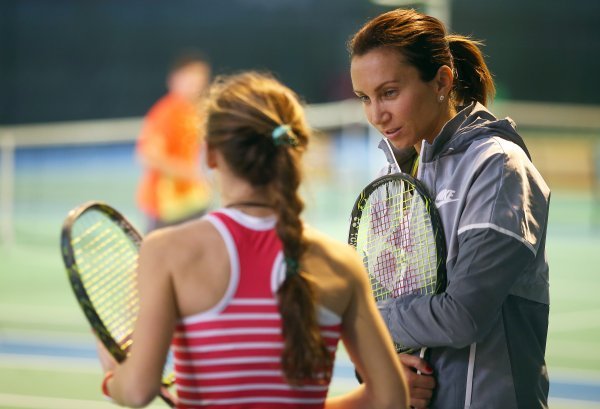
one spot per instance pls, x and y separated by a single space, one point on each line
282 135
291 267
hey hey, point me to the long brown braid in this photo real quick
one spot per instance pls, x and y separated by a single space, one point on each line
243 111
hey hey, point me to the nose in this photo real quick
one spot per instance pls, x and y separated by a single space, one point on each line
377 113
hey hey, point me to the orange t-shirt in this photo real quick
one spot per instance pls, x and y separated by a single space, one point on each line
173 125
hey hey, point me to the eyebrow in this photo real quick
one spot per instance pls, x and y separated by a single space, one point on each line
382 85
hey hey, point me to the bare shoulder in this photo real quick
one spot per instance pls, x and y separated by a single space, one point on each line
179 244
340 256
335 270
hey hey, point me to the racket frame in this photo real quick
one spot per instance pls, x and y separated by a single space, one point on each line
78 286
74 275
436 225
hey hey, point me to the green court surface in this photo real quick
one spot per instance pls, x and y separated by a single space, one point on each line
46 348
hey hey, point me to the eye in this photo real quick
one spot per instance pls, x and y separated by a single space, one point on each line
388 93
363 98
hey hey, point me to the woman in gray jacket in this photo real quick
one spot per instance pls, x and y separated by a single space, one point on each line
426 92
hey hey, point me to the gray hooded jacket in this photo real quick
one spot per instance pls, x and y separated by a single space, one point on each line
487 331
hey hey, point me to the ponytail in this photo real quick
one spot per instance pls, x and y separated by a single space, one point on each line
473 80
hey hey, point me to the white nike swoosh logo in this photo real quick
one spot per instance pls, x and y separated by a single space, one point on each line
440 203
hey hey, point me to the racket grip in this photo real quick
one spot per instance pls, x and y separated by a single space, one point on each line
421 355
358 377
166 396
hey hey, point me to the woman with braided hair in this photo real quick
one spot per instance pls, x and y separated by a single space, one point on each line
252 300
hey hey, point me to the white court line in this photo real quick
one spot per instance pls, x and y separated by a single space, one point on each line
580 376
47 363
570 321
47 402
35 309
585 346
44 315
587 350
44 402
559 403
54 337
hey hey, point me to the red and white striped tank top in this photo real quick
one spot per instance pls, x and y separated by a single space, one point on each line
229 356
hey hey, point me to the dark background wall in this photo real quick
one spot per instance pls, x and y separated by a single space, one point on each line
67 60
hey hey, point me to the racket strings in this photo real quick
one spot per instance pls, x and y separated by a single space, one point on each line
397 242
103 254
107 262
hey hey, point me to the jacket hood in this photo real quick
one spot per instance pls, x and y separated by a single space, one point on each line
471 123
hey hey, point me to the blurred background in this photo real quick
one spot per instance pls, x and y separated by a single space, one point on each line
76 78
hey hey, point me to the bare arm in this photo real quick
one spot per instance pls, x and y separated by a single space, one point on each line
370 348
137 381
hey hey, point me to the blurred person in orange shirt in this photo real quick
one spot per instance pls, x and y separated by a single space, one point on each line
173 188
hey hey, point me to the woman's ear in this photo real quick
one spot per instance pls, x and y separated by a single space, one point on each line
211 156
444 80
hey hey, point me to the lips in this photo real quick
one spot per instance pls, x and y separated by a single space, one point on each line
391 133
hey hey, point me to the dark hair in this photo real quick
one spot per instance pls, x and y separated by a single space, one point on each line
188 57
242 113
423 41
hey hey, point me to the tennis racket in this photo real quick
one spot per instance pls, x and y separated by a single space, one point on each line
100 251
397 230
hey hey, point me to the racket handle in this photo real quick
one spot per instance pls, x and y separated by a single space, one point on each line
166 396
421 355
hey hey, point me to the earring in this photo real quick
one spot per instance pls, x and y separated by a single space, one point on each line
441 98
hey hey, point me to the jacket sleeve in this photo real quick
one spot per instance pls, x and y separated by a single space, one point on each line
488 265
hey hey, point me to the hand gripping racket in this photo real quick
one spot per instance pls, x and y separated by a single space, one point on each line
100 251
396 229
